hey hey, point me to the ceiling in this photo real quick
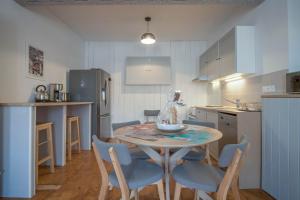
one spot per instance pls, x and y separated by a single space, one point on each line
114 22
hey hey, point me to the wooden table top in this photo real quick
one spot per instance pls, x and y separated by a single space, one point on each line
192 136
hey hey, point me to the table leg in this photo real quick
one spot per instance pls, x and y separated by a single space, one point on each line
167 173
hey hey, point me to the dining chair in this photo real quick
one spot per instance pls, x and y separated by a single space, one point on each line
128 174
135 152
205 178
199 154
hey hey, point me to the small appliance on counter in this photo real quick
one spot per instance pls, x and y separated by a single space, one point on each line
293 83
55 90
41 94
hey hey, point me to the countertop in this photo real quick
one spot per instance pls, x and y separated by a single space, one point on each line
37 104
225 109
284 95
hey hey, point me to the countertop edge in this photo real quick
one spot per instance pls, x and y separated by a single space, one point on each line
281 96
37 104
224 110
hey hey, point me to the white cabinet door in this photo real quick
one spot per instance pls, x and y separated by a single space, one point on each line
213 147
227 54
203 64
201 114
213 62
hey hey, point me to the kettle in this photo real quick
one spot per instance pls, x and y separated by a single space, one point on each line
41 93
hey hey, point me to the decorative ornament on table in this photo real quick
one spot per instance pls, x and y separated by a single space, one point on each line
170 118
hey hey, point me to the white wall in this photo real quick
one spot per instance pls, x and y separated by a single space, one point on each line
294 35
130 101
18 26
271 21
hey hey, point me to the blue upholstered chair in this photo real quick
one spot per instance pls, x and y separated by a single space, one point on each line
128 174
200 154
205 178
136 153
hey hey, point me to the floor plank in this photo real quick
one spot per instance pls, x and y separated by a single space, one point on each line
80 180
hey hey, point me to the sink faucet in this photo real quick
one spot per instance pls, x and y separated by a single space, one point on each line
237 102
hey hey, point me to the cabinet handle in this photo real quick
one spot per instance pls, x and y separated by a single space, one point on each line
222 117
228 124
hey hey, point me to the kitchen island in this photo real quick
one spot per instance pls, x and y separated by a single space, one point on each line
18 135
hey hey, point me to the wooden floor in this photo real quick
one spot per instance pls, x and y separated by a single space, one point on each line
80 180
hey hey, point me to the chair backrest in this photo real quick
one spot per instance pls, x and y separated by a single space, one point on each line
231 157
229 150
116 126
122 151
199 123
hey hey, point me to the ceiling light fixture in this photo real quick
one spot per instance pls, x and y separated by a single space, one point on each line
148 38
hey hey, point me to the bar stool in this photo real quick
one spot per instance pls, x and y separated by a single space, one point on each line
70 143
50 157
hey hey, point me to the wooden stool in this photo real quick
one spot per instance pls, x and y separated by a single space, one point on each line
70 143
50 157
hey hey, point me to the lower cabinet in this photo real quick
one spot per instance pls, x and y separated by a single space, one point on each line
281 148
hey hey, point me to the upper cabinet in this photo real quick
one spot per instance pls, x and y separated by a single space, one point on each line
232 54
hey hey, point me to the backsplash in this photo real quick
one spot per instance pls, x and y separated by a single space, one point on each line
248 89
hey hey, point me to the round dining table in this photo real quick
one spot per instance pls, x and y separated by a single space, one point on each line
148 138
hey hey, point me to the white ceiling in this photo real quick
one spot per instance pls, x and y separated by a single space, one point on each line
126 22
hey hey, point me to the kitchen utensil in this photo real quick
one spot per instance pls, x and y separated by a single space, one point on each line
55 90
64 96
41 93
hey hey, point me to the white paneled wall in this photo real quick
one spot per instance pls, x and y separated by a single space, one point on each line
129 102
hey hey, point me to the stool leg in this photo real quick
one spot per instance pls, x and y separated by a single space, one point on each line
69 137
78 135
50 148
37 158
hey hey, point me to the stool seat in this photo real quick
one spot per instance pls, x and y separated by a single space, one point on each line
70 143
44 126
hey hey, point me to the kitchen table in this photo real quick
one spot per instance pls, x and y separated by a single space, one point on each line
147 137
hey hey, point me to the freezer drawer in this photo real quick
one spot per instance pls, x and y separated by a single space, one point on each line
105 126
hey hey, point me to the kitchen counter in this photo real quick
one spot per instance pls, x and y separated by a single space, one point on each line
284 95
36 104
225 109
18 138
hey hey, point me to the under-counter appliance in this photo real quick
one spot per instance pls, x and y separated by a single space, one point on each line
227 124
293 82
93 85
55 90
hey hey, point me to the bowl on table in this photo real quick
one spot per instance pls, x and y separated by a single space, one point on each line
170 127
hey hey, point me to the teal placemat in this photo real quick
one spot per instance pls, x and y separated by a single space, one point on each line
190 136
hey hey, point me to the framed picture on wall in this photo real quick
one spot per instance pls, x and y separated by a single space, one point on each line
34 62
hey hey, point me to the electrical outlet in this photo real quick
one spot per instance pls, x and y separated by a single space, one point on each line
268 88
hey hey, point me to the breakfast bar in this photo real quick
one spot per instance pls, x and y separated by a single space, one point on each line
18 138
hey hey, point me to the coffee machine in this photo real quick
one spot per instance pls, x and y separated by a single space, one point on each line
55 89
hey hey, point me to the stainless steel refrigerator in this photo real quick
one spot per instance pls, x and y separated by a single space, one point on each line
94 86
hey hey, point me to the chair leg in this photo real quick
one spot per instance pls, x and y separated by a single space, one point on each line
196 197
203 195
160 188
69 137
207 154
78 134
136 194
50 148
103 192
235 188
177 191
